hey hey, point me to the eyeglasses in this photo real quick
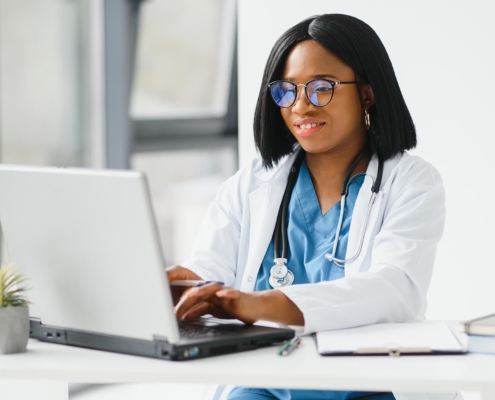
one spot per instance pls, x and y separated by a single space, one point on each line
318 91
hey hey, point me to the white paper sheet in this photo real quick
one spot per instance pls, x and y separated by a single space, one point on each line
431 335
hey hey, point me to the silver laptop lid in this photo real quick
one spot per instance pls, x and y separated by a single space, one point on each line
88 243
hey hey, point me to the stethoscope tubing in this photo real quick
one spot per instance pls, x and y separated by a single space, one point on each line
339 262
280 234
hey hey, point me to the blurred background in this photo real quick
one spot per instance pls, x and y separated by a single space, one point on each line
169 88
147 85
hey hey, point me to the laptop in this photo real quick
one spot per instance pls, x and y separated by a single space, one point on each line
88 243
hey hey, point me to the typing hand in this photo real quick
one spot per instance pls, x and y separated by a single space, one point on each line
219 301
177 273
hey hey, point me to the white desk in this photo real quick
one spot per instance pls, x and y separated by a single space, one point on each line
304 368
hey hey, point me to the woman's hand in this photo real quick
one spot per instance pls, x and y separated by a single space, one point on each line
223 302
219 301
177 273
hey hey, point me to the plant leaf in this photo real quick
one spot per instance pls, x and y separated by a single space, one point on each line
11 288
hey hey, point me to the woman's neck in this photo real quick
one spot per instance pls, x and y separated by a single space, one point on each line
328 170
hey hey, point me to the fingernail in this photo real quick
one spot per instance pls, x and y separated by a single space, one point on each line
221 293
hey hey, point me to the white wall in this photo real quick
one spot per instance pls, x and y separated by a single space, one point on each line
444 57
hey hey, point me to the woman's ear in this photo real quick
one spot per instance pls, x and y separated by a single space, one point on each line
367 96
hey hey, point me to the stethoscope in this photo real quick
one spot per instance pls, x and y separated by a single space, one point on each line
280 275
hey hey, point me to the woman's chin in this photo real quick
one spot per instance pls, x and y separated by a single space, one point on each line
311 146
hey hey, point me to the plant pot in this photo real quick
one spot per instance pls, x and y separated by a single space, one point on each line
14 329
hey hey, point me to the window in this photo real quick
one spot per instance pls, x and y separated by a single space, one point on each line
185 81
183 62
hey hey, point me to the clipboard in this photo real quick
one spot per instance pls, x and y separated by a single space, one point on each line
393 339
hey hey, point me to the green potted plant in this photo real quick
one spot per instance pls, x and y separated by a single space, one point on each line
14 311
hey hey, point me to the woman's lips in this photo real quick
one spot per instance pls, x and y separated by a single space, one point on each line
305 130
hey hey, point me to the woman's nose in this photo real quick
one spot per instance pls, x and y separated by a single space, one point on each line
302 102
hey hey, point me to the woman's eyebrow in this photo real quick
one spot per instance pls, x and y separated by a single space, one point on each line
290 78
325 76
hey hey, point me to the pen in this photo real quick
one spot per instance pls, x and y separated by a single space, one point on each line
289 346
193 283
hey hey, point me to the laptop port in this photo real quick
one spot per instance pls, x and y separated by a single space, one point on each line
49 335
191 352
165 352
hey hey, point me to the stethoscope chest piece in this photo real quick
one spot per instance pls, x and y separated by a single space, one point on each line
280 275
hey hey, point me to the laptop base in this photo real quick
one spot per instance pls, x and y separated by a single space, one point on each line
247 337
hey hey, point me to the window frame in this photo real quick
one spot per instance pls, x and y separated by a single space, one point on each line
126 134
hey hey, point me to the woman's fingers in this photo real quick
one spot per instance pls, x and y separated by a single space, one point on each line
194 296
205 308
219 301
228 294
234 303
178 272
197 311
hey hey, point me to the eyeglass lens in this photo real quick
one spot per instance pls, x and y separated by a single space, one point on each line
319 92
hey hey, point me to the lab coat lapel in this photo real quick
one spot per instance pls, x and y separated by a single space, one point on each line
264 203
263 206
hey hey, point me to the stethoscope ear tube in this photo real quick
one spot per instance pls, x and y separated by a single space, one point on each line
280 232
379 176
351 168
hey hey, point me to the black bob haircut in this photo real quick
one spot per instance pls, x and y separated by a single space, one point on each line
392 129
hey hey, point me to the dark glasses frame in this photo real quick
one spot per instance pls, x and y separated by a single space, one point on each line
333 84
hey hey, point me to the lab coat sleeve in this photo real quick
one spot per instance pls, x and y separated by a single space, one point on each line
393 287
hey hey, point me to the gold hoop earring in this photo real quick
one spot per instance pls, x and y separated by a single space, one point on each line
366 119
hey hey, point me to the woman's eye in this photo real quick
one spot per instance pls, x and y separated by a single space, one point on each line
323 89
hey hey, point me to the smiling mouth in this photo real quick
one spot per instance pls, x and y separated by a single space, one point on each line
308 126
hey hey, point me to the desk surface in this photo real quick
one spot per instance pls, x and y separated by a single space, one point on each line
304 368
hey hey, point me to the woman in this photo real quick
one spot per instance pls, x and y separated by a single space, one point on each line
329 106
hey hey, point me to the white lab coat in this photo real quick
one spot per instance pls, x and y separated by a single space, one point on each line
389 279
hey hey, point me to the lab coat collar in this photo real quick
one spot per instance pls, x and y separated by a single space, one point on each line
281 171
388 167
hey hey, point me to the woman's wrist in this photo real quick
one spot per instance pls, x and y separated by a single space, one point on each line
277 307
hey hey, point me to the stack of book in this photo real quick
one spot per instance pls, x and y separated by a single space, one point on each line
481 334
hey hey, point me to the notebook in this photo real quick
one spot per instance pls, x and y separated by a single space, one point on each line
88 243
480 326
391 338
481 334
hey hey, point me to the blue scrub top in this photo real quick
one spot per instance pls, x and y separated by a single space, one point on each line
311 236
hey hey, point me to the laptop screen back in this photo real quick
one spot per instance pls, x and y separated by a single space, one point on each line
87 242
